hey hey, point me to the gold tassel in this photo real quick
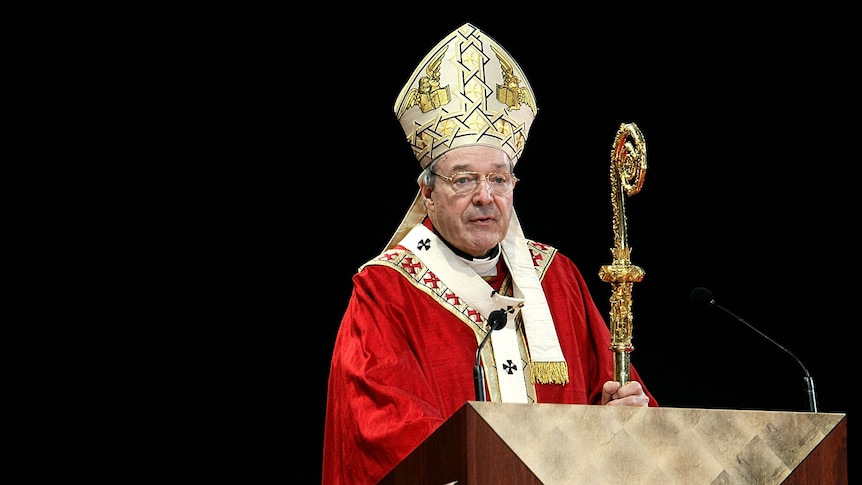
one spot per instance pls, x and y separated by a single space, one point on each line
551 372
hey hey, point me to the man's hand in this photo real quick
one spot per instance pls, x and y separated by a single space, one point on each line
631 394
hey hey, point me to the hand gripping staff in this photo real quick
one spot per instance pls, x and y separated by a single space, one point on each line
628 169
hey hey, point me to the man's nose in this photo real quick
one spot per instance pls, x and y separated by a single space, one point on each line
482 192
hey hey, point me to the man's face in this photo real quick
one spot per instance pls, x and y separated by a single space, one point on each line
473 222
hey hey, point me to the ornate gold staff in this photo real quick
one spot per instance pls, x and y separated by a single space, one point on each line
628 169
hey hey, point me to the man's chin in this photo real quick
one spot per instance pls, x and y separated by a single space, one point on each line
484 245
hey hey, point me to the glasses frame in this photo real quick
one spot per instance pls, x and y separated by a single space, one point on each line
482 176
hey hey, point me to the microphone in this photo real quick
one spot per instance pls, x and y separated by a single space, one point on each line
702 296
496 321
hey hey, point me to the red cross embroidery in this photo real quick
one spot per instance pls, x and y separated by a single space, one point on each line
410 266
431 280
536 258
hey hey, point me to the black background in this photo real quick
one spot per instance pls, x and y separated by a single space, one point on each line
190 197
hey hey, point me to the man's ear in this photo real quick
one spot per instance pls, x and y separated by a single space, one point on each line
426 193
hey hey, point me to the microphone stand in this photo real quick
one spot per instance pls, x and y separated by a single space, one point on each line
702 295
496 321
809 381
479 372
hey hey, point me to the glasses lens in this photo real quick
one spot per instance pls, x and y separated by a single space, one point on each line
466 182
501 183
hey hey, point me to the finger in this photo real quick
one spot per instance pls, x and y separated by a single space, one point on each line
630 389
611 387
637 400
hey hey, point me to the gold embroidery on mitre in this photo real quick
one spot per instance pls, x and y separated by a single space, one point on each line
510 92
428 95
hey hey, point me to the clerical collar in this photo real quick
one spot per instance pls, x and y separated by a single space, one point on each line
483 266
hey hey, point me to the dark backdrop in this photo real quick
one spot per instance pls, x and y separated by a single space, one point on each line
190 198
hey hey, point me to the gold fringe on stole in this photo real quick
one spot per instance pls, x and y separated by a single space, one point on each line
551 372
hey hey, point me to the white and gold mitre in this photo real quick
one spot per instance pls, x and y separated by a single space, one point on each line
467 91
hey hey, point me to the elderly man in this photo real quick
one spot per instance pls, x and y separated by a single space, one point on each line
405 352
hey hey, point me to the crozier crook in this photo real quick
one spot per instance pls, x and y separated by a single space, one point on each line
627 172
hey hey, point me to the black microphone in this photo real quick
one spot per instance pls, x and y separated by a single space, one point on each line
496 321
701 295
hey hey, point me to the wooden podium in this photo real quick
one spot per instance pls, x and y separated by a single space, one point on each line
496 443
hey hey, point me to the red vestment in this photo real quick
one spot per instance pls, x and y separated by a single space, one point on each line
403 364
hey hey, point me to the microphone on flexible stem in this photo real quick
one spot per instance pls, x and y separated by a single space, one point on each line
496 321
702 295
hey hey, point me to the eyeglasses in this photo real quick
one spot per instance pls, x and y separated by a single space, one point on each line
466 182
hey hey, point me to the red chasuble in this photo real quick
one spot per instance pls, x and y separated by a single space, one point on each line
403 363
